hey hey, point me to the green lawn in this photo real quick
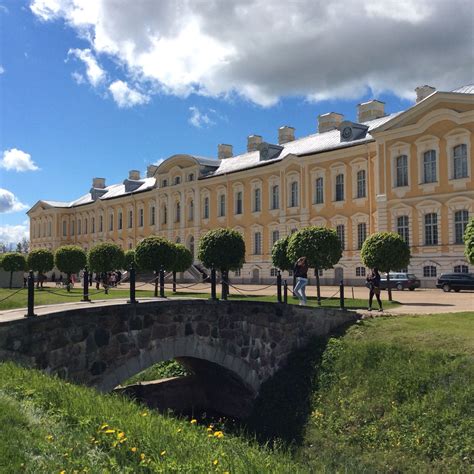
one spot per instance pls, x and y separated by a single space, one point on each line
54 296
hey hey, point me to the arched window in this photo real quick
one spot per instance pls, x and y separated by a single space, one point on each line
429 166
86 226
275 197
165 214
294 194
257 243
257 200
221 205
431 229
340 187
178 212
238 202
460 161
401 171
319 191
361 188
191 210
206 208
403 228
429 271
461 219
152 215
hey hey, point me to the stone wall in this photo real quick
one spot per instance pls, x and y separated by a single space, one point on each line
102 346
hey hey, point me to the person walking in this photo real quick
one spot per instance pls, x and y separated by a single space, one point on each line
301 275
373 283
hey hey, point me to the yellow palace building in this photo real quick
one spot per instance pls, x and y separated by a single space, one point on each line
409 172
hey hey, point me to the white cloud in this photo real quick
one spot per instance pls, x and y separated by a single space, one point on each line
11 234
10 203
126 97
2 69
17 160
95 74
199 119
263 50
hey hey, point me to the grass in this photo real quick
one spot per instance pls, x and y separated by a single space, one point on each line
57 295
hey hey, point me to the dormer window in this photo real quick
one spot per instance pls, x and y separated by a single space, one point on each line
191 177
177 180
164 183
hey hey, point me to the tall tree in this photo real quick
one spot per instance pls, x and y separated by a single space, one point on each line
386 251
469 241
25 243
41 261
13 262
105 257
70 259
319 245
154 254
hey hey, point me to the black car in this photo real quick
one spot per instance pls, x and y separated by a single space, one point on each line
400 281
456 281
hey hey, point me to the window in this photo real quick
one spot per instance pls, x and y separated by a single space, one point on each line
275 236
460 161
93 225
191 210
221 205
177 180
340 187
461 219
273 272
79 227
361 234
361 184
141 217
294 194
403 228
191 177
152 215
177 217
257 200
165 214
461 269
360 271
101 223
120 220
401 171
64 228
431 229
238 202
111 222
257 243
340 231
429 166
429 271
72 227
164 183
130 219
86 222
206 208
275 196
319 191
237 272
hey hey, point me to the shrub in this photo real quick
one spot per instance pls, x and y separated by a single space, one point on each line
469 241
105 257
40 260
279 254
129 259
13 262
183 258
70 259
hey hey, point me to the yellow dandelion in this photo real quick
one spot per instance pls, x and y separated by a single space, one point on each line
215 462
109 431
144 413
209 429
193 421
163 453
133 450
50 437
219 434
179 430
120 435
142 456
103 426
62 472
209 436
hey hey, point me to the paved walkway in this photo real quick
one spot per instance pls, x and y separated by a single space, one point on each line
422 301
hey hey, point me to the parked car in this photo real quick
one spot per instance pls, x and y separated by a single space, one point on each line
456 281
400 281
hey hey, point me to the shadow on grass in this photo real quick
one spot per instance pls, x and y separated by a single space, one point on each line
283 406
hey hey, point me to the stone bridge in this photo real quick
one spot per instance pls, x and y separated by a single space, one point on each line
240 343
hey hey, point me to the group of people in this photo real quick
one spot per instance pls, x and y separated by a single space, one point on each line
109 279
300 273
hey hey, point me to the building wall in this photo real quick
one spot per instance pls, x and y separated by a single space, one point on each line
438 128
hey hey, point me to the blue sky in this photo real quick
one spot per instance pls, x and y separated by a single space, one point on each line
88 89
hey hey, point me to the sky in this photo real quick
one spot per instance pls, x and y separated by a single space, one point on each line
95 88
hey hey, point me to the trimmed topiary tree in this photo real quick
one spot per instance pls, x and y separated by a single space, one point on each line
41 261
469 241
183 259
70 259
320 245
13 262
385 251
280 258
153 254
106 257
222 249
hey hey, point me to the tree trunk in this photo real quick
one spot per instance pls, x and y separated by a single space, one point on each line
389 288
68 283
156 284
318 287
174 282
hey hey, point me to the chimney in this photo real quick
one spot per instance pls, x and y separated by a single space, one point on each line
373 109
151 170
422 92
286 134
253 141
329 121
98 183
224 151
134 175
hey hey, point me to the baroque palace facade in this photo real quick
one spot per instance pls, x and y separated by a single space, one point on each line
409 172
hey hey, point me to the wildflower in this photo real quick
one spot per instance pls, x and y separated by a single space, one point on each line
209 429
133 450
109 431
163 452
219 434
142 456
144 413
62 472
194 421
50 437
215 462
120 435
179 430
105 425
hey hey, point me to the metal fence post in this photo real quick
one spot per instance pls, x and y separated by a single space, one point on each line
279 286
174 282
132 286
213 284
162 283
341 295
85 285
31 295
285 292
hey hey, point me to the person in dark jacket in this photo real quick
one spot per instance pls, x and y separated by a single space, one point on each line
373 283
301 275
